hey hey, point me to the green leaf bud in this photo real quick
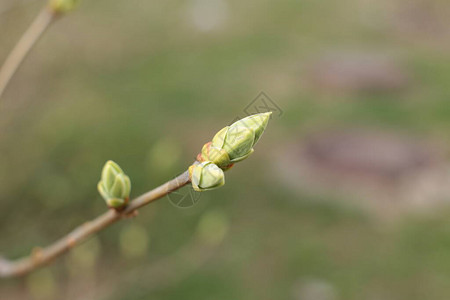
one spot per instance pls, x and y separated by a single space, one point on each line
114 186
239 143
206 176
256 123
239 138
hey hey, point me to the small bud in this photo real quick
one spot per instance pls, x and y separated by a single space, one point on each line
206 176
114 186
62 6
239 138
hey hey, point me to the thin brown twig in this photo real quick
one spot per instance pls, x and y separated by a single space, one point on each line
40 257
24 45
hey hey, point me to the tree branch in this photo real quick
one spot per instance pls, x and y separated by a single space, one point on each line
24 45
40 257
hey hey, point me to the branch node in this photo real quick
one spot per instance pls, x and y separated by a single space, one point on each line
42 256
36 254
131 214
71 242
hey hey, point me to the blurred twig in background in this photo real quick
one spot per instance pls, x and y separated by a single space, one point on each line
40 257
25 44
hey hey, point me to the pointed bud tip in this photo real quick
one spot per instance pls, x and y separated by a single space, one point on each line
111 163
267 116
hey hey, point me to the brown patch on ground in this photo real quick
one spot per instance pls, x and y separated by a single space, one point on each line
422 19
357 72
386 173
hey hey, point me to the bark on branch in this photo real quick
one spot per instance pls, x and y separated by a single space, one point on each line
24 45
42 256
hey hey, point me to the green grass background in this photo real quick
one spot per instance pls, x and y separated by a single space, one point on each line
135 82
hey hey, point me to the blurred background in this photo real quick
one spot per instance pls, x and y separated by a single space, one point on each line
346 196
